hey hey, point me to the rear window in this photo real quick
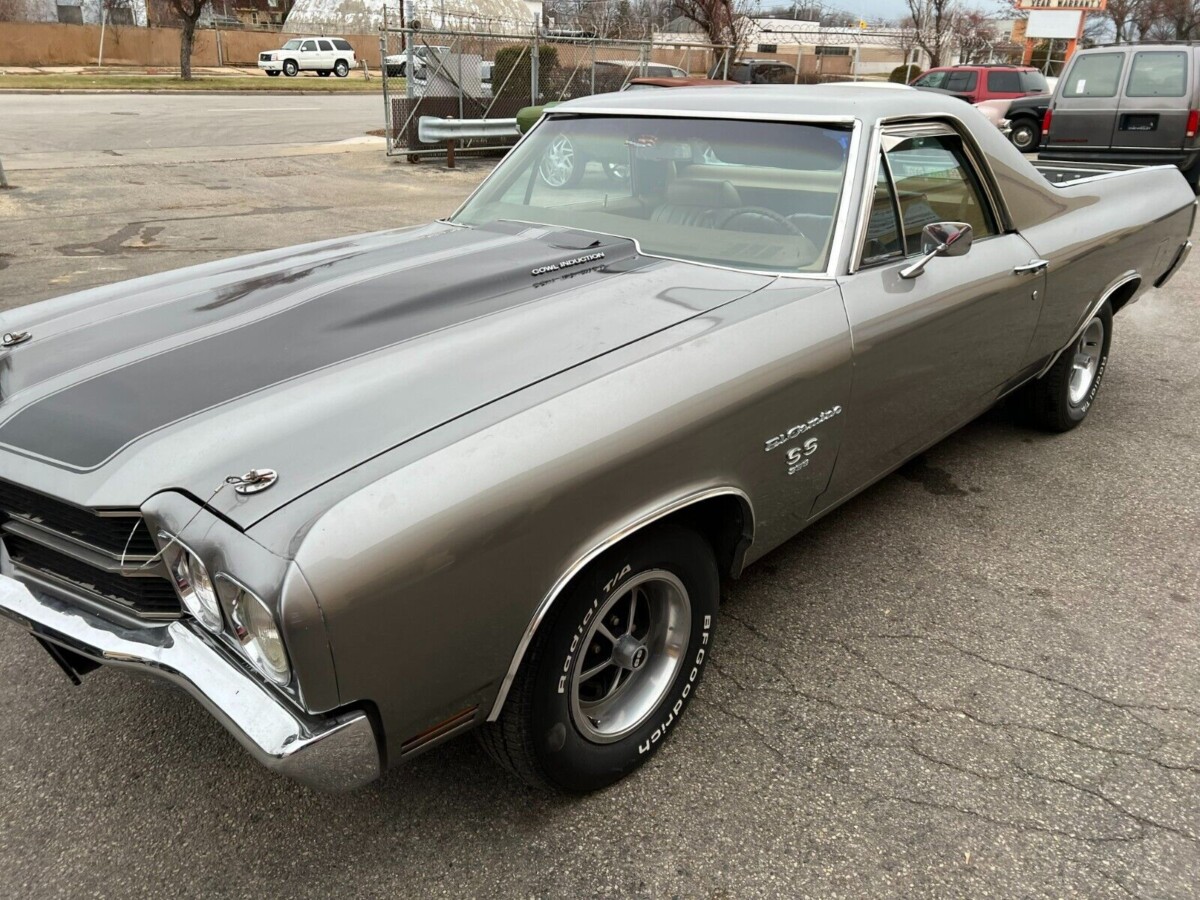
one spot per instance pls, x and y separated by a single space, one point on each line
1034 82
1004 82
1094 75
1158 73
342 45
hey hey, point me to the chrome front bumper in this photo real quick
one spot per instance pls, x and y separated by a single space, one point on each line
327 753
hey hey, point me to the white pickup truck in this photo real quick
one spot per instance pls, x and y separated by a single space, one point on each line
312 54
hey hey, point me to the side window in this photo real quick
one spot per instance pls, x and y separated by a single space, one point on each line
1158 73
935 182
931 80
1094 75
326 46
342 45
1004 82
962 81
1034 83
308 46
883 241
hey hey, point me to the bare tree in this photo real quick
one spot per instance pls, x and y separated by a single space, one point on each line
189 12
721 21
975 36
1124 16
933 21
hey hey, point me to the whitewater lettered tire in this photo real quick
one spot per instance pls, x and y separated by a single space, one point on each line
614 666
1061 399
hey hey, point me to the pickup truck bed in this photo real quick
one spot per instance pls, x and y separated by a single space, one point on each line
1059 173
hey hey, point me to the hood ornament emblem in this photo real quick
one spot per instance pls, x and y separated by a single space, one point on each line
12 338
254 481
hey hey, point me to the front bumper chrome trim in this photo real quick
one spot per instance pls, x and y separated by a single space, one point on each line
336 753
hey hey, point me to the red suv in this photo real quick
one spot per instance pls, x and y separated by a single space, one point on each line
985 82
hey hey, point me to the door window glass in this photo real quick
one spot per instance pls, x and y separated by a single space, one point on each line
326 46
936 183
309 46
1004 82
962 81
1094 75
883 240
1158 73
1034 83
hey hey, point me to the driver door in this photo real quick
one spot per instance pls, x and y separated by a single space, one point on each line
935 350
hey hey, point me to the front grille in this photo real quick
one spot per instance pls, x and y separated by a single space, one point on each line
147 595
109 534
84 553
265 57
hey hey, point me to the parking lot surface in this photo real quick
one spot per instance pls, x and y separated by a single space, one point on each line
980 678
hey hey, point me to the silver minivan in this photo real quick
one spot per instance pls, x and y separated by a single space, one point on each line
1128 103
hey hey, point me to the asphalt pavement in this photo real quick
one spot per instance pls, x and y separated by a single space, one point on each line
66 123
980 678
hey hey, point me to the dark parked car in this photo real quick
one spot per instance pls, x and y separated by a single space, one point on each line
1025 115
756 71
1133 103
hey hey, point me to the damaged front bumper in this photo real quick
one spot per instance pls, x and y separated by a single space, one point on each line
333 753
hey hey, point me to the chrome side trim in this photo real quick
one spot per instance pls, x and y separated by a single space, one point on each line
329 753
1092 310
629 528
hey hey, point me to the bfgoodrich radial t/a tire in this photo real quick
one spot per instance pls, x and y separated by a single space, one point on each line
1061 398
613 668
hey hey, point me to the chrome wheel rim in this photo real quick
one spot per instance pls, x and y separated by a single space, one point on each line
1022 136
631 655
559 162
1086 362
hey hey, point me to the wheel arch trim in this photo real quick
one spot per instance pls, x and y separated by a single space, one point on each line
1120 282
628 529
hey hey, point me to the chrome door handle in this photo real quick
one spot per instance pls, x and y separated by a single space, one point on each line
1034 265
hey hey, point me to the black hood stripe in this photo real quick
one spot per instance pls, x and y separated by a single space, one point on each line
83 426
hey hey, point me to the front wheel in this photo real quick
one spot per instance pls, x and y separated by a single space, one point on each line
290 69
341 68
610 672
1061 399
1025 135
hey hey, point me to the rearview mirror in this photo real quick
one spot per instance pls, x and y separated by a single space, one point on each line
940 239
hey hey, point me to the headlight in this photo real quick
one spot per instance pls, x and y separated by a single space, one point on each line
255 629
193 584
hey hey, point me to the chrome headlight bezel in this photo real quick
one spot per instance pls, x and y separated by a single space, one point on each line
193 583
257 633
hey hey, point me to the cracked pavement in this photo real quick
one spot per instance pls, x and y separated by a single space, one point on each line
980 678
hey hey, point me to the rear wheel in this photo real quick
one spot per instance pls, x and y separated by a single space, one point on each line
1061 399
324 73
1026 134
610 672
341 68
274 74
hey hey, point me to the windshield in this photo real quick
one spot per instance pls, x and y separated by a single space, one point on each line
292 45
756 195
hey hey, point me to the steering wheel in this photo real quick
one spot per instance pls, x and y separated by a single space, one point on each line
758 220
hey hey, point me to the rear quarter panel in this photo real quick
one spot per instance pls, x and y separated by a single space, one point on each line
1110 227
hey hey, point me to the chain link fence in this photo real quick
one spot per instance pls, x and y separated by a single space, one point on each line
494 74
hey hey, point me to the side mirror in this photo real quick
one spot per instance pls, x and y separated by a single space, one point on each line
940 239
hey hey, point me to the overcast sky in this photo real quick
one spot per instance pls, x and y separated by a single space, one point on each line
869 9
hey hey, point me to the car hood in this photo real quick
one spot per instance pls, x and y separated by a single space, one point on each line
312 360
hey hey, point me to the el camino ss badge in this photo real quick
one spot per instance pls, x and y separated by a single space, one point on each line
797 457
567 263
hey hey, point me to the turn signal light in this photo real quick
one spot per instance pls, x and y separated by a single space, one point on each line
1193 122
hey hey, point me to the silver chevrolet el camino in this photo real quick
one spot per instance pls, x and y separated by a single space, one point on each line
361 496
